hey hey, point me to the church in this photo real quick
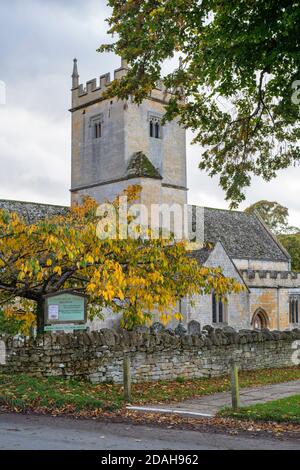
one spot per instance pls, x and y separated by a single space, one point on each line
116 144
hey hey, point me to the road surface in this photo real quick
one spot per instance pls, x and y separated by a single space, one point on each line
55 433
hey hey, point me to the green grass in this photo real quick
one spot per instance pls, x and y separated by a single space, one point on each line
182 389
283 410
26 392
23 392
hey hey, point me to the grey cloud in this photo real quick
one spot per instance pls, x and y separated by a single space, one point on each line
38 40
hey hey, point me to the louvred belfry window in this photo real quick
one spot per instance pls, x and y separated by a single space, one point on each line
97 130
155 127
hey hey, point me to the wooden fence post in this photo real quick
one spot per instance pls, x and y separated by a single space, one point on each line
127 377
235 390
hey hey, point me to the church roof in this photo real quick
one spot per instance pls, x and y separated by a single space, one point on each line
140 166
202 254
244 236
32 211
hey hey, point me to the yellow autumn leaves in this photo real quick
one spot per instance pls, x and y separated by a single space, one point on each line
132 276
21 312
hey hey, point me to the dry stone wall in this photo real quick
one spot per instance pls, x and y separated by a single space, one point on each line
156 353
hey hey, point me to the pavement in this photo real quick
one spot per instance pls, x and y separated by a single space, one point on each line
209 405
24 432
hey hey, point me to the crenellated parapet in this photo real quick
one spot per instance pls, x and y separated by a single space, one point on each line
91 91
268 278
94 89
107 132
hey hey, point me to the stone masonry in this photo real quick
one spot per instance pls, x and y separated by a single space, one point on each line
113 146
156 353
100 163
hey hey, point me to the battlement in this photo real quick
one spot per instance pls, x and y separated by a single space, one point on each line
94 89
92 85
268 277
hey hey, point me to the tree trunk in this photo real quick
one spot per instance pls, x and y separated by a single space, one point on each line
40 319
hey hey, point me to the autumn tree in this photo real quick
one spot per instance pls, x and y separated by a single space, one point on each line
291 243
276 218
237 87
14 319
9 326
274 215
130 275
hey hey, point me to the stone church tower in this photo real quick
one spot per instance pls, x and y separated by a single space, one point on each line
118 143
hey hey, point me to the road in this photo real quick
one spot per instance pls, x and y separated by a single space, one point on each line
53 433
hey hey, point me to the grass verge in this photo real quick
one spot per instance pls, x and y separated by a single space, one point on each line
22 392
284 410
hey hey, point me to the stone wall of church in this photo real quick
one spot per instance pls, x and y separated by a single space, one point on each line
260 264
167 153
155 354
105 192
237 308
125 130
275 302
102 159
174 196
270 291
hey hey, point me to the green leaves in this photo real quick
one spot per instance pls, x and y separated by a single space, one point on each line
291 243
132 275
274 215
240 62
9 326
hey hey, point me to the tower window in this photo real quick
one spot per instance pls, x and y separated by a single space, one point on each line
97 130
157 130
151 129
218 309
294 310
96 126
155 127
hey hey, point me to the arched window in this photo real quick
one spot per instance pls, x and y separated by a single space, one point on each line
219 309
97 130
151 129
260 319
96 126
157 130
294 310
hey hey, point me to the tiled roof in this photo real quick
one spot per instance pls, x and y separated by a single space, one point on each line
32 211
243 235
201 255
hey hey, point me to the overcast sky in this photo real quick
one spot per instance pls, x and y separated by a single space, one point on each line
39 39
